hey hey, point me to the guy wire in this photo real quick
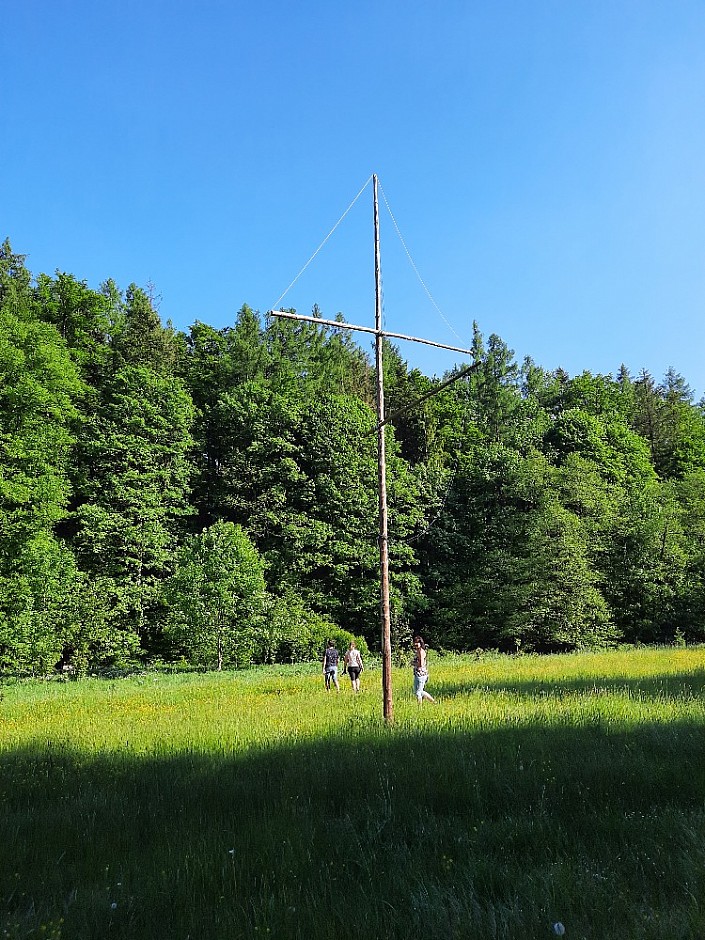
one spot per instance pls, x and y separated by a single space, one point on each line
275 305
416 270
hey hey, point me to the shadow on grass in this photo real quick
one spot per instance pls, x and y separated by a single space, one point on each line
380 833
662 686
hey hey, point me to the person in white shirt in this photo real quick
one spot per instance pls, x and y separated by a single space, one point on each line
421 671
353 664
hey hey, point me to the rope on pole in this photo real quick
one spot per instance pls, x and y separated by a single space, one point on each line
276 304
416 270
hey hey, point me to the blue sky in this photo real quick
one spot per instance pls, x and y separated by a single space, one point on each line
544 161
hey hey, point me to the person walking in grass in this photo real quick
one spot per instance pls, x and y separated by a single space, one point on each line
330 665
353 664
421 671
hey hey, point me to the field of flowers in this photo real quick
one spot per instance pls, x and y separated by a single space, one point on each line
539 794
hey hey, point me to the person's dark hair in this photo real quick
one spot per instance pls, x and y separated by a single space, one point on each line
331 642
421 640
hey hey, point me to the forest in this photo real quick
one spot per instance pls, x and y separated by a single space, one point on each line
209 498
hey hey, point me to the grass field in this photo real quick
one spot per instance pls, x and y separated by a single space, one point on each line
246 805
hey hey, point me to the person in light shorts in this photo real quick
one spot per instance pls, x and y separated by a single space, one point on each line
421 671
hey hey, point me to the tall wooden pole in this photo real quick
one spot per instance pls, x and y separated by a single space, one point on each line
384 615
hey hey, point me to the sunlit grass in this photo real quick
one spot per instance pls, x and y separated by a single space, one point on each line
566 788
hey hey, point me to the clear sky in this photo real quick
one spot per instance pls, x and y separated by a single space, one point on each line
544 161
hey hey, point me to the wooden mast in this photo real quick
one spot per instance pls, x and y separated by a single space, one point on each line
380 334
384 612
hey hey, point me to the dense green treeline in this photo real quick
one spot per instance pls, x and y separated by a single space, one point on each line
210 497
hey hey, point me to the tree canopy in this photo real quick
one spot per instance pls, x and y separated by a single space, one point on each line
210 496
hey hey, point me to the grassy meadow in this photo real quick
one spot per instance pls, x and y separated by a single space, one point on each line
537 790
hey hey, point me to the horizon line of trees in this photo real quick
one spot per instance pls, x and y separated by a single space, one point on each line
209 496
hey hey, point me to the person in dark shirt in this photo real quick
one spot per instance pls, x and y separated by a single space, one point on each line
330 665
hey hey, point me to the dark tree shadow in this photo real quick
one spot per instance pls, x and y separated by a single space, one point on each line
375 832
663 686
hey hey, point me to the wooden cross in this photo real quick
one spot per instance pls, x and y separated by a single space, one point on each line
380 334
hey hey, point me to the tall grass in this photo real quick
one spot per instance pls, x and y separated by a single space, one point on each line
244 805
